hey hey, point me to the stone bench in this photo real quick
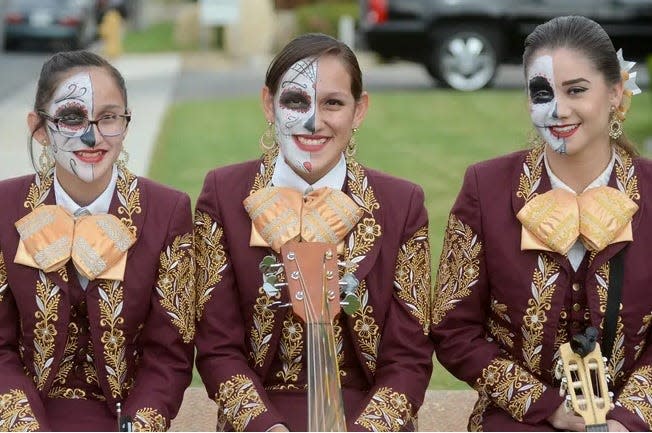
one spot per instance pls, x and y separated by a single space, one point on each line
441 411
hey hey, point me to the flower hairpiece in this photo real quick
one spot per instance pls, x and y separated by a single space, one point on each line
629 81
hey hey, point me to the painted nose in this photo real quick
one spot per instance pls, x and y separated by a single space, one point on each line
310 124
89 138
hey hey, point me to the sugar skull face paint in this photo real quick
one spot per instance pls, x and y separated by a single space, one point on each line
295 114
543 101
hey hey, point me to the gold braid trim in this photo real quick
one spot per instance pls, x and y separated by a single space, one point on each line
209 256
15 412
148 419
530 177
129 197
510 386
175 285
412 277
238 402
47 302
3 277
387 411
635 396
39 190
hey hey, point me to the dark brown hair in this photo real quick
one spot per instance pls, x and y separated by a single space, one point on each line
587 37
314 45
52 73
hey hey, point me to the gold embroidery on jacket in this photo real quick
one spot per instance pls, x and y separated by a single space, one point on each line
148 419
175 285
239 401
3 277
530 177
291 348
366 328
69 393
477 414
210 258
39 190
625 178
459 268
129 197
412 277
617 359
339 345
511 387
635 395
265 172
642 332
47 302
261 332
503 335
387 411
15 412
111 303
543 287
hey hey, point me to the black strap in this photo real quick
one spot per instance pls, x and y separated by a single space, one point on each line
616 274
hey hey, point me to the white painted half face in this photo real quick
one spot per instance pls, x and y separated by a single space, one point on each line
542 95
74 97
295 111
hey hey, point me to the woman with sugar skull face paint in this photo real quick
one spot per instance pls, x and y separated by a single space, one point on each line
574 215
253 349
96 311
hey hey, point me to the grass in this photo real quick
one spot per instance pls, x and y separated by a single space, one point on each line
426 137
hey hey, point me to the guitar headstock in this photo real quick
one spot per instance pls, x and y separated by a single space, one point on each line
584 379
312 280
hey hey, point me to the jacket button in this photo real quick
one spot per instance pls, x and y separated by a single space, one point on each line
577 307
576 287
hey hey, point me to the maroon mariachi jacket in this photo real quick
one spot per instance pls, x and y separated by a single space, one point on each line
246 353
140 330
500 314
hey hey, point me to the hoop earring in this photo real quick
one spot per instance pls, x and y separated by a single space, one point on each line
615 125
45 160
268 140
351 148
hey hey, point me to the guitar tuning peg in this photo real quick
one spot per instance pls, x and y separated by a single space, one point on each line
280 304
348 283
605 360
268 264
350 304
611 395
563 387
568 403
559 369
345 264
607 377
270 289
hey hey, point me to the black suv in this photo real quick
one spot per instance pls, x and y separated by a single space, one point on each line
462 42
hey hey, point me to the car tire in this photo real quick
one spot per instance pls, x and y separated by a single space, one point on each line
465 57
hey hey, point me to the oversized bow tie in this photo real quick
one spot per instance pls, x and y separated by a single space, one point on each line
281 214
555 220
97 244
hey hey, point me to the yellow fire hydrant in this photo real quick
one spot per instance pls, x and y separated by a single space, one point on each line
111 33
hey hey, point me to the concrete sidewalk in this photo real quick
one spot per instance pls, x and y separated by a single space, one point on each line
151 80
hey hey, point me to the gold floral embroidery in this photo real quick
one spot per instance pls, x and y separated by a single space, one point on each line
503 335
148 419
47 302
543 287
175 285
412 277
459 267
531 175
265 172
387 411
366 328
69 393
511 387
261 332
68 357
39 190
129 197
291 349
617 359
111 303
625 177
642 332
477 414
15 412
210 258
239 401
3 277
63 273
635 395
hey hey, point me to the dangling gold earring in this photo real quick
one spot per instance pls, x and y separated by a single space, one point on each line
268 140
615 125
535 140
351 148
45 159
123 159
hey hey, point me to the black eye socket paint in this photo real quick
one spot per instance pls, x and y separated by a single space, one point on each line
541 91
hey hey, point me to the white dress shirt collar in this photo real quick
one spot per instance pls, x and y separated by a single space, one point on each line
284 176
99 206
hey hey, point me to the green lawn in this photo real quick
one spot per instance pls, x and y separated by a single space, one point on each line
428 137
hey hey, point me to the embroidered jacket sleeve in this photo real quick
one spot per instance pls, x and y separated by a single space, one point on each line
461 301
633 407
221 350
165 369
404 362
21 408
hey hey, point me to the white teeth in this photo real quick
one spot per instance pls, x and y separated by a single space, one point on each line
311 142
564 128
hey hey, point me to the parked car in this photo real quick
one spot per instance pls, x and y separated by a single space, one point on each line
69 23
462 42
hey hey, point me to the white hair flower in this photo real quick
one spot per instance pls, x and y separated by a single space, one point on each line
629 82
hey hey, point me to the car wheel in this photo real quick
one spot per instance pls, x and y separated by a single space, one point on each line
464 57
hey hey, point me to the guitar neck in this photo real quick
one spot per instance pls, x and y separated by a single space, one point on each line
597 427
325 405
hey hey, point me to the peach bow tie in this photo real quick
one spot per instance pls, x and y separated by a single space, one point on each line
555 220
97 244
281 214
